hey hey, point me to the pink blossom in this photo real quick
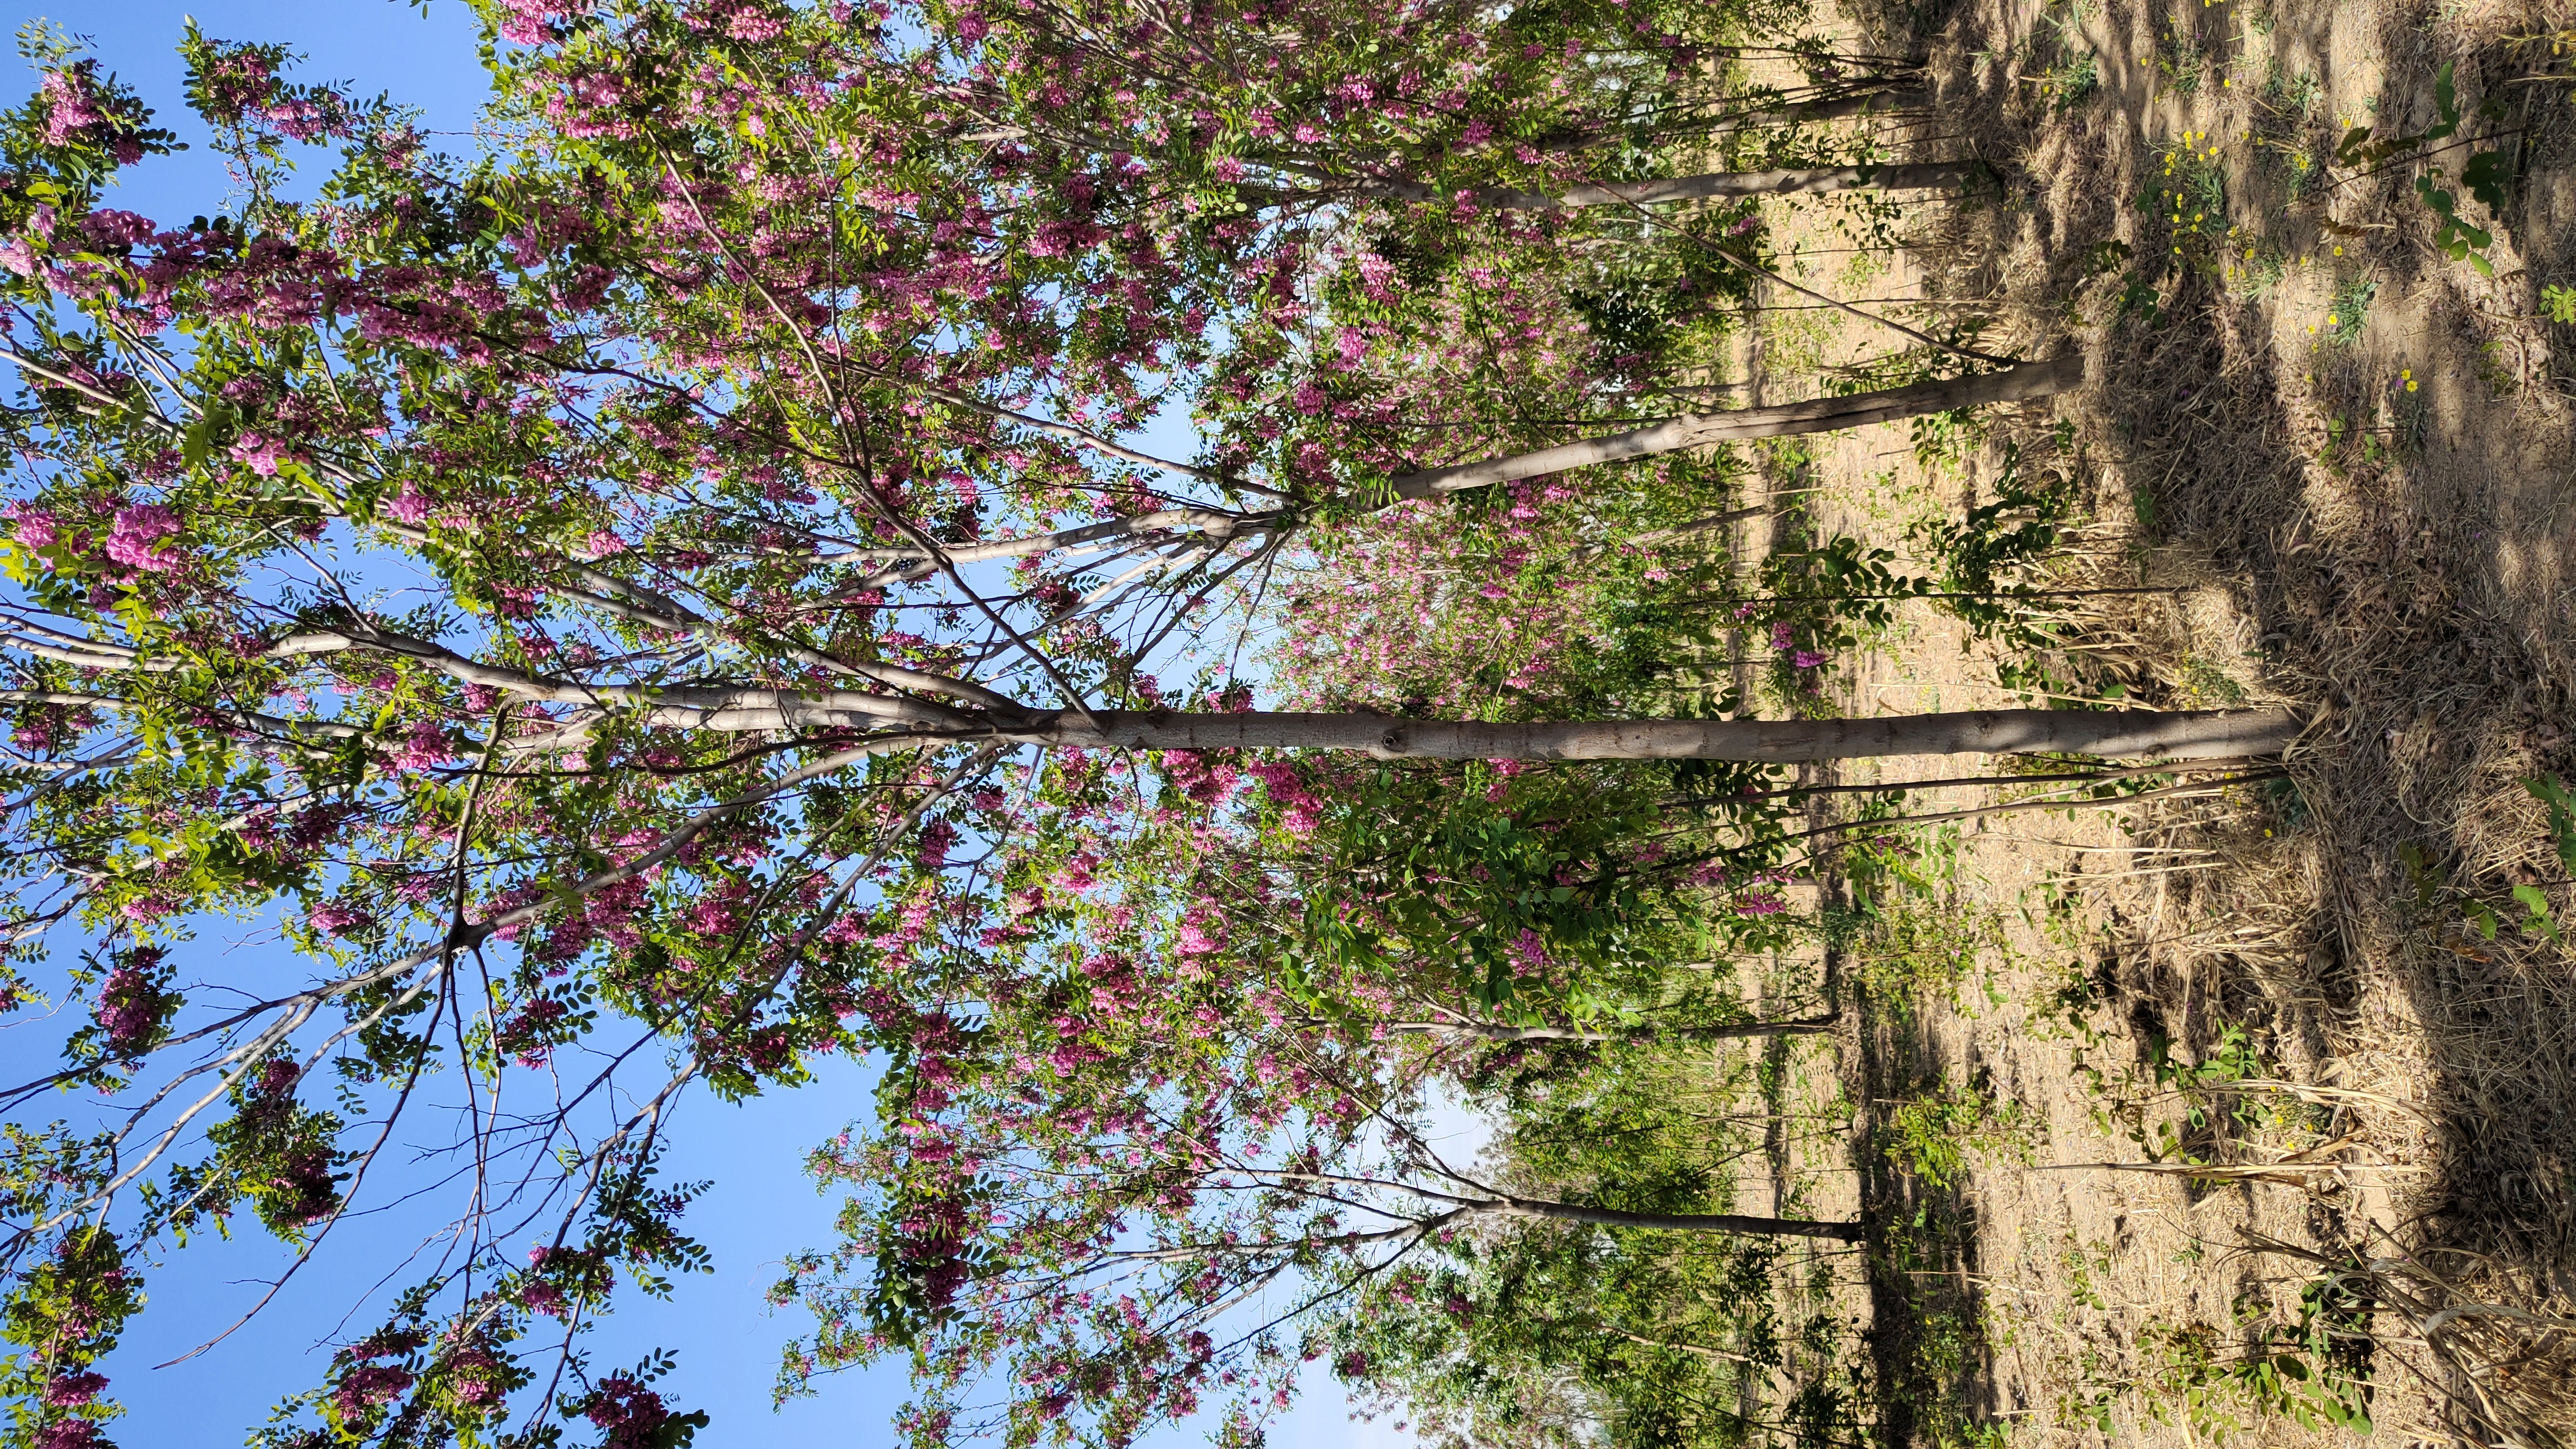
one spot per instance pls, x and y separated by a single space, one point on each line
367 1387
332 918
68 1434
936 839
131 538
117 228
129 1010
261 454
74 1389
71 105
425 747
1529 955
36 528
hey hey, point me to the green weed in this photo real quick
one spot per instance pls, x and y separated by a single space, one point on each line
2182 61
2536 917
2312 1369
2486 174
1935 1136
2350 309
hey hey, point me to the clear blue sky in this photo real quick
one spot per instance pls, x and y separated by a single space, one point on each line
760 1206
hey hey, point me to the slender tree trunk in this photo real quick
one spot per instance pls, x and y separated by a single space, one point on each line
2175 735
1525 1207
1801 1026
2029 380
1818 415
1921 176
1835 108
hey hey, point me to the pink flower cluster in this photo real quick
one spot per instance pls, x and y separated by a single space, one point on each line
1209 782
130 1007
134 537
1301 809
335 919
425 747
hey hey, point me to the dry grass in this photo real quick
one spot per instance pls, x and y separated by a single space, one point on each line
2399 563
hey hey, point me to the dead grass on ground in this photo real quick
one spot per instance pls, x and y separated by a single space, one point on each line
2349 455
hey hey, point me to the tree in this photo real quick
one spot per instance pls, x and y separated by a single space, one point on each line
559 593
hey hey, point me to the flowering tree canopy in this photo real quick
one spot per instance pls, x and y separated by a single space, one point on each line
667 599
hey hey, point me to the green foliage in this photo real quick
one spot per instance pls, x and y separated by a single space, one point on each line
1935 1135
1561 1336
2486 174
2184 1110
2350 309
2558 303
2311 1368
1976 552
2537 916
1526 894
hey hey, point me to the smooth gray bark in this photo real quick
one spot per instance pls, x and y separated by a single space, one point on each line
1523 1207
1799 1026
1917 176
2029 380
1817 415
2172 735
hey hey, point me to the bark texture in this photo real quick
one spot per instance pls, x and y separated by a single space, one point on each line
1817 415
1522 1207
1919 176
2169 735
1800 1026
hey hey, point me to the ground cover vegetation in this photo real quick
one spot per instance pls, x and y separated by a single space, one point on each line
674 595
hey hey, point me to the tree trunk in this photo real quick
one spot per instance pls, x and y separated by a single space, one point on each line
2029 380
1923 176
1818 415
1799 1026
2172 735
1525 1207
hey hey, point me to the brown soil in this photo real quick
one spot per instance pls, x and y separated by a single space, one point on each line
2394 561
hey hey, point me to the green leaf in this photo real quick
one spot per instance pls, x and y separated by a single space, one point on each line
2486 175
2482 916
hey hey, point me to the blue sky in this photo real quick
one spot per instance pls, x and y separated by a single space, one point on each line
760 1204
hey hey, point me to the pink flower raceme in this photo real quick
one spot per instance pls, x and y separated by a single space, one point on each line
67 1391
130 1008
68 1434
71 105
110 228
425 747
35 527
334 919
632 1414
261 454
1301 809
134 536
369 1387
